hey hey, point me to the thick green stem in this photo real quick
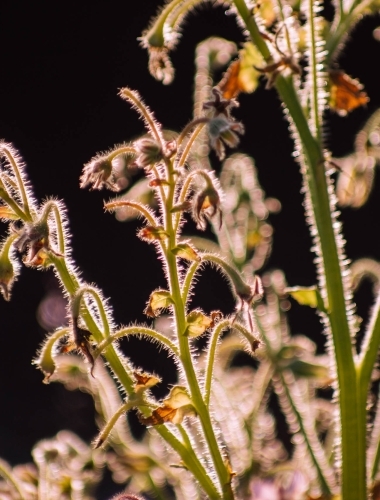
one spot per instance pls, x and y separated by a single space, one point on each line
352 421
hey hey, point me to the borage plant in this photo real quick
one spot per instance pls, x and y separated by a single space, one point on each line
212 436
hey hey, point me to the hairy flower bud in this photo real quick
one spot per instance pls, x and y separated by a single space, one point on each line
224 132
8 268
149 152
34 238
206 204
98 173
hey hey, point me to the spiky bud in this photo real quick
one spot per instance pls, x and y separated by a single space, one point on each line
33 237
98 174
8 268
224 132
206 204
149 152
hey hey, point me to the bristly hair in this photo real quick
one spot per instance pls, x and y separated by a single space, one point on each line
14 167
163 34
153 127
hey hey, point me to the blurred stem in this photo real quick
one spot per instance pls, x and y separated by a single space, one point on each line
311 440
352 415
6 473
338 33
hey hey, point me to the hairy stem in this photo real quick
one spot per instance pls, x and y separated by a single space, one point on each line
353 426
184 348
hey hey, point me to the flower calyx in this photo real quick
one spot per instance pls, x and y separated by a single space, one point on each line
150 152
34 238
80 341
98 174
159 299
206 204
174 409
224 132
219 106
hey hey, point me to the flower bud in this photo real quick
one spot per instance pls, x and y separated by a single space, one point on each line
8 268
149 152
98 173
35 239
224 132
206 204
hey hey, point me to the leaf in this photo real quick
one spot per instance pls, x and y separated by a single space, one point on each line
241 76
197 323
307 369
307 296
153 233
173 409
145 381
178 397
186 251
346 94
8 214
159 299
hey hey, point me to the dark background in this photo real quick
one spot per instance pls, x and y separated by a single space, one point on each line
62 64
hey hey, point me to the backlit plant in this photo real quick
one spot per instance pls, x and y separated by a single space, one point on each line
213 436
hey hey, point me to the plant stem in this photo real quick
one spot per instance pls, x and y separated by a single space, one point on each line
184 348
353 427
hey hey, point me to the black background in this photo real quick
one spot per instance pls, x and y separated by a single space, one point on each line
62 64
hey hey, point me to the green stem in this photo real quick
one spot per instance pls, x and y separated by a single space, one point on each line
113 205
211 358
99 304
155 36
344 25
20 181
125 378
353 425
185 354
105 432
187 282
4 195
137 330
315 115
191 461
121 150
370 347
54 207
